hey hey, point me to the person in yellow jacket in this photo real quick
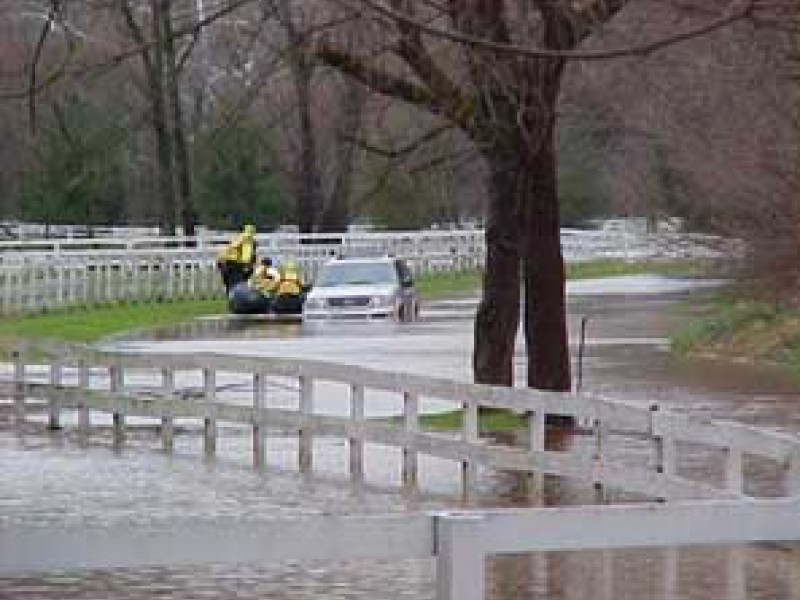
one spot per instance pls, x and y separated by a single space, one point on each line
289 283
266 278
235 261
290 292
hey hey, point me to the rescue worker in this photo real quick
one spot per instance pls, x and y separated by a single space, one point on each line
236 260
256 295
266 278
289 293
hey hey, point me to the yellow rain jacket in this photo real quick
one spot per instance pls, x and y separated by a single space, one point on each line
240 249
265 280
290 284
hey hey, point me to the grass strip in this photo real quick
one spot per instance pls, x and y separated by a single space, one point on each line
92 324
489 420
732 327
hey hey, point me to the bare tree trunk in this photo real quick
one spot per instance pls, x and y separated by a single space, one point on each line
307 174
166 188
336 213
184 205
497 319
546 336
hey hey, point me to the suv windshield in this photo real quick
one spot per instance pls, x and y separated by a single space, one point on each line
354 273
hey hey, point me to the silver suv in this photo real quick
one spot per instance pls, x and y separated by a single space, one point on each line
363 288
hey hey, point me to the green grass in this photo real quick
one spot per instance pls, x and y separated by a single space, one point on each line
745 329
611 268
440 285
92 324
489 421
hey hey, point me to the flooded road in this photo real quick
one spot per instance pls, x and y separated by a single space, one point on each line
48 480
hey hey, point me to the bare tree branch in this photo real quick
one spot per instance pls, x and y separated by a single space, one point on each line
384 82
409 148
33 86
737 11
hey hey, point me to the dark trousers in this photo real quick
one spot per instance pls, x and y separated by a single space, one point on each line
233 272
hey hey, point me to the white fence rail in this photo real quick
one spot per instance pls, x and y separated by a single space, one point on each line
166 387
48 274
460 542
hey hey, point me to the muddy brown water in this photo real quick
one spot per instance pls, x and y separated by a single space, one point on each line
48 480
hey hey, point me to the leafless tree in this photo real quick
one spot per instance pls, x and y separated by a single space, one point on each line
494 69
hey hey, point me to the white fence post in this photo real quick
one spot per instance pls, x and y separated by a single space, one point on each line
209 423
469 433
19 388
53 404
357 443
259 396
537 431
461 564
116 381
410 455
84 421
167 422
305 440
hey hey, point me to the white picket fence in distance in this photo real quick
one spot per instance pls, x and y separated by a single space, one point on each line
38 275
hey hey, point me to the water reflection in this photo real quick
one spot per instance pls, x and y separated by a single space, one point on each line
225 327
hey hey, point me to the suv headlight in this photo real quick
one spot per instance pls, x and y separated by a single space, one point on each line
381 302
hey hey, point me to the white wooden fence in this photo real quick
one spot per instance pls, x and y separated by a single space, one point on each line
50 274
38 275
702 509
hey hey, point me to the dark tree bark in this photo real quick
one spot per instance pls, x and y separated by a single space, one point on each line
160 120
497 318
183 199
306 172
336 212
546 337
152 55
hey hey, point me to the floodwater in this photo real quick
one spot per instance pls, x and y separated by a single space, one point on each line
48 480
